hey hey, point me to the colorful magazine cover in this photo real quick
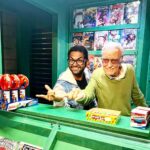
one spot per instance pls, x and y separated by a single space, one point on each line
114 35
88 40
94 62
100 38
128 39
131 12
78 18
116 14
89 17
130 59
6 144
27 146
97 61
77 38
102 16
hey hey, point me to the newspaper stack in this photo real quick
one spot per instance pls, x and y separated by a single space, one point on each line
140 117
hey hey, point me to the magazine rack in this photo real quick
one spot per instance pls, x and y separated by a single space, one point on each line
137 54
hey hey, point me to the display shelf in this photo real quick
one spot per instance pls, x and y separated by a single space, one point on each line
107 28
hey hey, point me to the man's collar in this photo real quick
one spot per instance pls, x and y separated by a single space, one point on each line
122 73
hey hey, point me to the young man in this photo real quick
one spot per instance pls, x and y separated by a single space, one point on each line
75 77
114 84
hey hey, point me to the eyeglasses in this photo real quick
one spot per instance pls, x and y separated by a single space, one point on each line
78 61
113 61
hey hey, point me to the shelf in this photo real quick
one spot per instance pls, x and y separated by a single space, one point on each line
99 52
107 28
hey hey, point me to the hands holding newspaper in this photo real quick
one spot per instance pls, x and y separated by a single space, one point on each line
54 95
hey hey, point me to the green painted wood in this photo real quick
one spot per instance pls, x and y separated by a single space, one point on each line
22 128
78 118
103 141
99 52
1 64
92 3
54 48
144 75
142 57
106 28
39 129
63 145
52 138
148 84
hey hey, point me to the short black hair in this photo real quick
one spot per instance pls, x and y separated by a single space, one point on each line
79 48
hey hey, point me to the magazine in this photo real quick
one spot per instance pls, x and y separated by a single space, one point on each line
100 38
102 16
94 62
116 14
88 40
97 61
7 144
131 12
89 17
130 59
77 38
114 35
78 18
26 146
128 39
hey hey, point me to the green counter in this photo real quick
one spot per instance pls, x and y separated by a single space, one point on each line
21 128
72 130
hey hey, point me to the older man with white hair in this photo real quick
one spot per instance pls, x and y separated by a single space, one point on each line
114 84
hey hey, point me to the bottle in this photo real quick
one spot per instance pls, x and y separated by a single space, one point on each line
14 88
24 82
6 87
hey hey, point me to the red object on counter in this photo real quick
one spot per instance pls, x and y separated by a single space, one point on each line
0 81
6 82
24 81
15 81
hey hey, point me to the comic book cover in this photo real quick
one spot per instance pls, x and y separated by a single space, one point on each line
128 39
7 144
88 40
78 18
77 38
89 17
131 12
97 61
116 14
114 35
26 146
102 16
130 59
90 64
100 38
94 62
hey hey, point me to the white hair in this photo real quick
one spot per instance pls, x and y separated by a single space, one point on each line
112 45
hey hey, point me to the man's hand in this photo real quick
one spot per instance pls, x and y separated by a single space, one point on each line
50 96
75 94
